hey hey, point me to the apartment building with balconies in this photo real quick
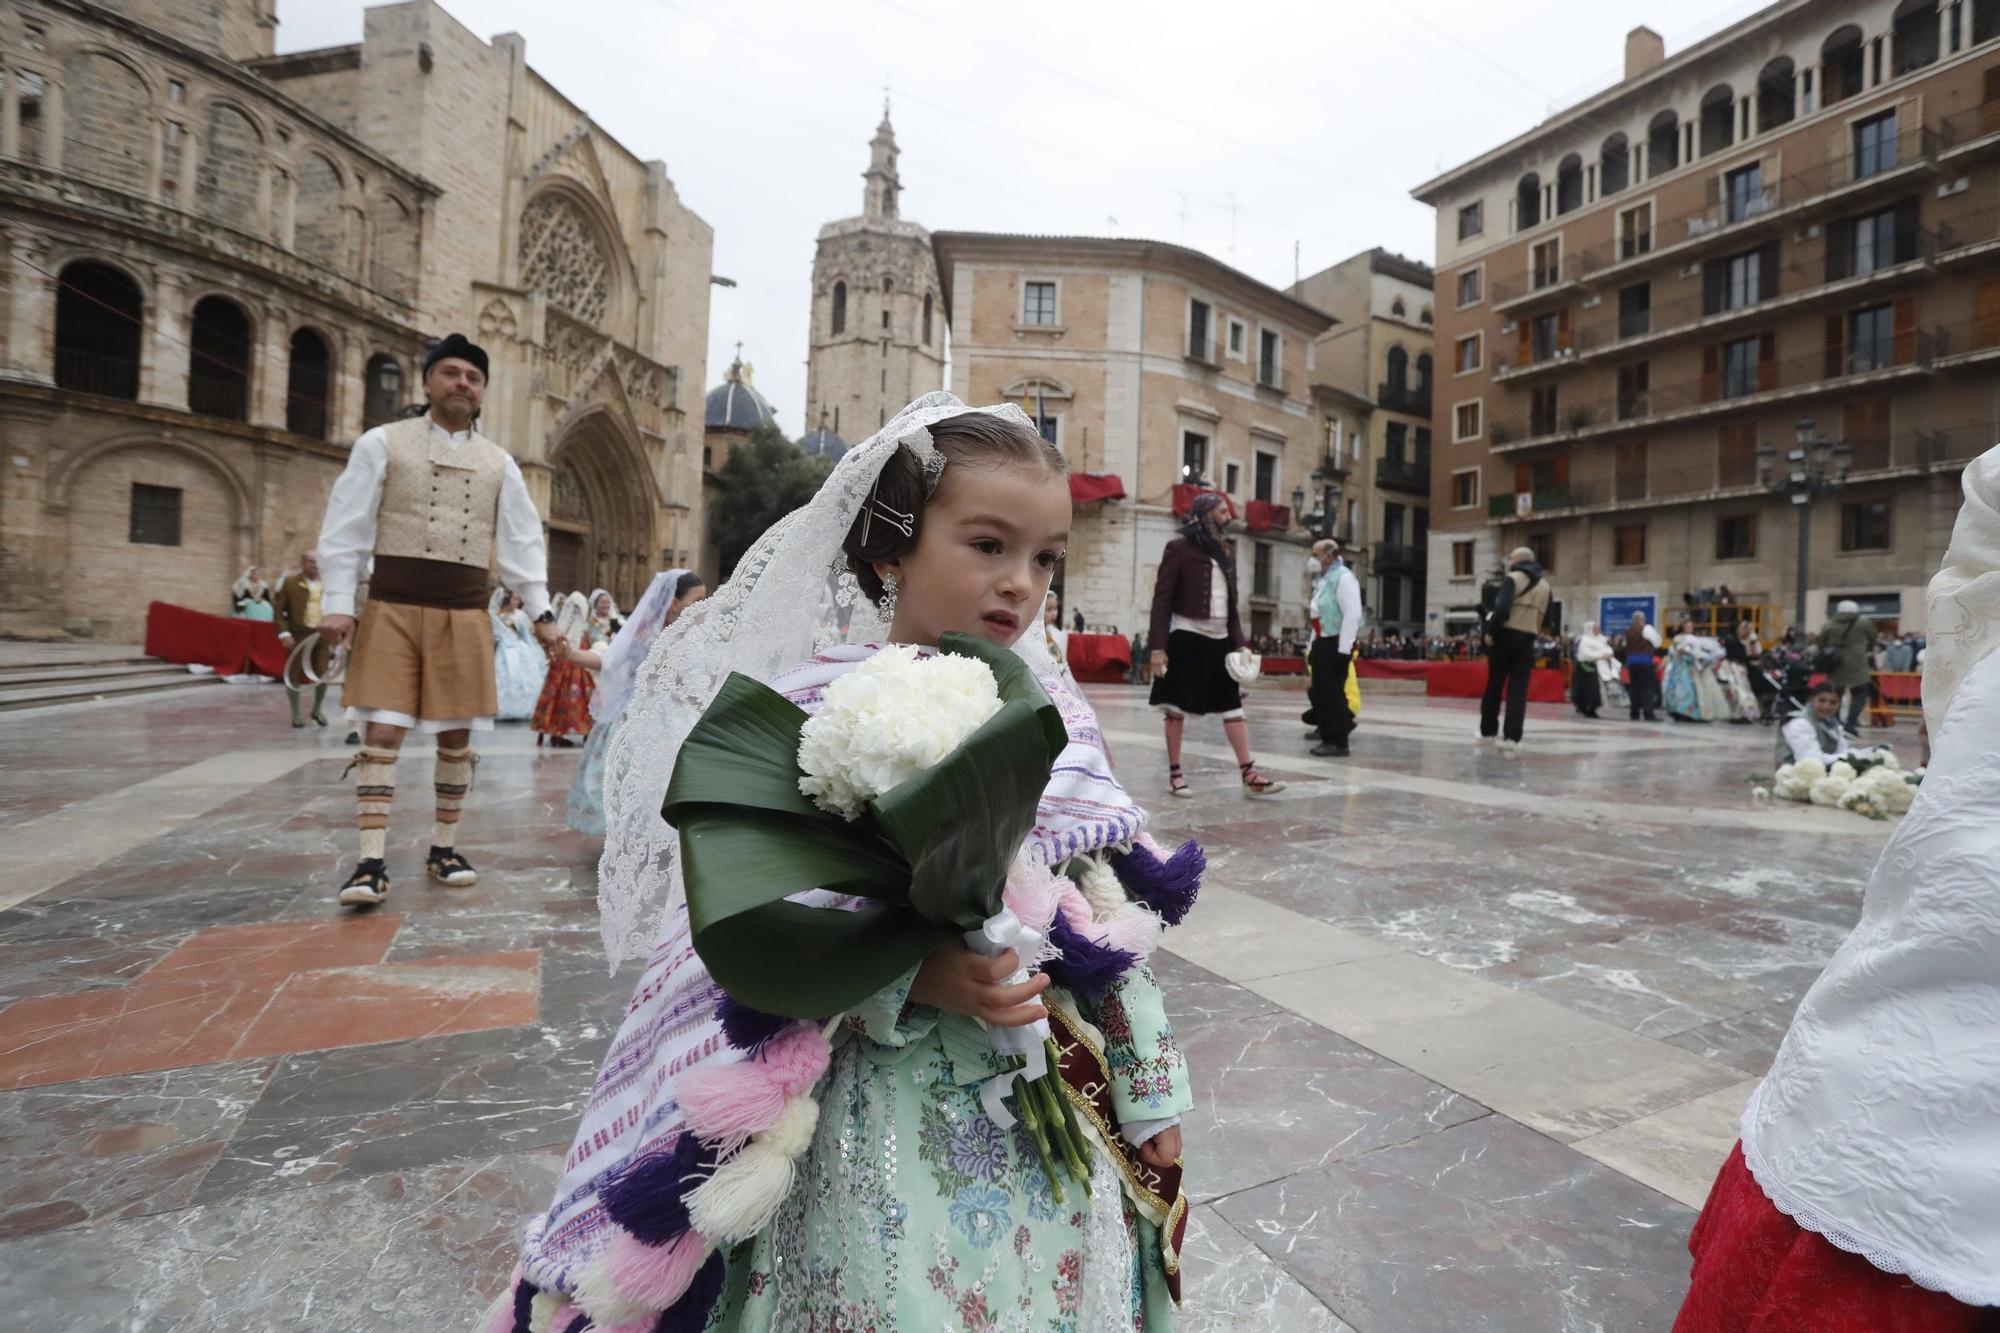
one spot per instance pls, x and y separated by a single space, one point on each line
1796 219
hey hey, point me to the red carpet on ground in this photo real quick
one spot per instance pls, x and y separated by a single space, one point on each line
228 644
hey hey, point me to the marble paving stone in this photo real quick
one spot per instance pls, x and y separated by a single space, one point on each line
1228 1285
1677 1151
1748 1042
1242 937
1196 996
1275 1094
1637 989
423 1249
1485 1227
117 1147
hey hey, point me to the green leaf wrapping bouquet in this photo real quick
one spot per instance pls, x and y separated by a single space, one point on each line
913 787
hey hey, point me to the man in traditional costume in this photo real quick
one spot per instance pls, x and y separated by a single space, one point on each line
435 503
298 606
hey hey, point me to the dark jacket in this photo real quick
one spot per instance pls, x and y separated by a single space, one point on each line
1852 636
1182 589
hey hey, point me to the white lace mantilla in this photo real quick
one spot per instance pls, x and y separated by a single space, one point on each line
1878 1126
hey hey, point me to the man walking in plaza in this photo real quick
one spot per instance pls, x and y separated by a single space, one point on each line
1848 639
298 606
1518 613
435 503
1642 644
1336 618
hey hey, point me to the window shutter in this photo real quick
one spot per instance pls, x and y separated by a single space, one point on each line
1562 470
1835 346
1989 116
1906 330
1711 373
1767 272
1767 360
1526 349
1987 320
1522 478
1714 283
1839 249
1906 231
1562 329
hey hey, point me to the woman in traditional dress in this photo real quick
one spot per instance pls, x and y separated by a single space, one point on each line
1865 1194
519 665
1690 689
1734 673
912 1206
1596 673
563 710
661 604
604 621
250 596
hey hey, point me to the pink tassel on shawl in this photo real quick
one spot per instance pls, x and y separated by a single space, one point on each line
654 1276
1034 894
726 1104
500 1317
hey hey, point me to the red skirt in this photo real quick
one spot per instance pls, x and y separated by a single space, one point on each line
565 703
1757 1271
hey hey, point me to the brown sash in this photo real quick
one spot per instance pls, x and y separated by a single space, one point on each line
418 582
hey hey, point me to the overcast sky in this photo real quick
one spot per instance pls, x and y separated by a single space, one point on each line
1252 131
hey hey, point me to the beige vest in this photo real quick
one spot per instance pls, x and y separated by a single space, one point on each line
1529 607
439 503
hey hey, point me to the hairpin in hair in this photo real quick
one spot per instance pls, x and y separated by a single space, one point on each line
905 523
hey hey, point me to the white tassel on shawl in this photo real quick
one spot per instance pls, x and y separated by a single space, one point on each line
746 1191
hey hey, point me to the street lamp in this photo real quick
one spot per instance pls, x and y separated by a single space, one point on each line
1813 466
1322 521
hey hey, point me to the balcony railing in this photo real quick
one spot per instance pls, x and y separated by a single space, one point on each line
110 376
1393 558
1199 349
1273 378
1402 474
1977 125
1414 402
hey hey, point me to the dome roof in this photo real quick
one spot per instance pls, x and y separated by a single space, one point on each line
821 442
735 403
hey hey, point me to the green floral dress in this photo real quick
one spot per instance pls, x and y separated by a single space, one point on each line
914 1211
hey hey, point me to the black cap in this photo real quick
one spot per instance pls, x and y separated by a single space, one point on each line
458 345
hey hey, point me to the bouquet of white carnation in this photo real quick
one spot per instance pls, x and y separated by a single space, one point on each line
889 719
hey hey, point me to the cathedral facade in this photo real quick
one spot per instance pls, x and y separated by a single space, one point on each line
878 334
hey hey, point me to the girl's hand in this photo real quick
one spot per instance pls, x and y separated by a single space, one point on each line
957 980
1163 1149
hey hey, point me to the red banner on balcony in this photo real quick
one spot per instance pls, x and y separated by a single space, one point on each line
1184 498
1089 487
1263 516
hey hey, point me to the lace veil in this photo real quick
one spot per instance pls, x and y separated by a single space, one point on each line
790 597
628 647
1964 620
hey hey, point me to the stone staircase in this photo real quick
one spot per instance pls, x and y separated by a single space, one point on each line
37 679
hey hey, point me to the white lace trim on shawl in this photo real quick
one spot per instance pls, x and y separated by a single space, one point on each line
1876 1126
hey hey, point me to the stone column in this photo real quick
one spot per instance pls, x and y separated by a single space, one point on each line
10 113
52 124
270 374
263 230
156 151
351 377
164 354
31 311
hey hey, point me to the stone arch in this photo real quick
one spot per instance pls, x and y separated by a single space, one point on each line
839 307
1398 368
1528 201
602 507
1027 385
1718 120
392 258
99 328
1569 184
569 249
222 341
1614 165
309 382
100 575
231 167
317 209
1777 100
107 119
1663 143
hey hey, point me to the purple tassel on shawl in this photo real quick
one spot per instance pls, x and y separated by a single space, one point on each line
690 1313
748 1029
648 1197
579 1324
1168 887
524 1302
1084 968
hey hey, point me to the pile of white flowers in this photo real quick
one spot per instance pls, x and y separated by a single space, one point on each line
888 720
1882 791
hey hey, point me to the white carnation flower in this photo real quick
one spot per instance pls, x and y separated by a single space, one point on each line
888 720
1841 769
1830 789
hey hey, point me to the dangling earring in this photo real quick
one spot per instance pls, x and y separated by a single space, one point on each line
887 602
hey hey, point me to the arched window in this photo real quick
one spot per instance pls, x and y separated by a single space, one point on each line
1527 202
1569 184
232 159
1777 103
1840 65
316 220
839 309
1915 35
1614 166
562 254
219 363
1424 315
107 132
1663 144
1397 308
1399 370
1718 119
99 317
392 266
382 397
888 285
1424 375
927 319
307 385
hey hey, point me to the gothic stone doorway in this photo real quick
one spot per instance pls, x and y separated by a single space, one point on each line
600 512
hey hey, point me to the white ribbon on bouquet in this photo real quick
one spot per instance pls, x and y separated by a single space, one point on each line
997 934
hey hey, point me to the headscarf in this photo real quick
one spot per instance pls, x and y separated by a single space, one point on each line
1196 531
590 607
497 601
243 587
628 651
1965 593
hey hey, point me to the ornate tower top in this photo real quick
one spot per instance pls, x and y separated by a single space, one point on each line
879 200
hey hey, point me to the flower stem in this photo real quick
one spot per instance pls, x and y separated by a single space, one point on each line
1024 1100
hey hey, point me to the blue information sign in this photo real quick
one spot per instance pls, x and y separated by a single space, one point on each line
1615 613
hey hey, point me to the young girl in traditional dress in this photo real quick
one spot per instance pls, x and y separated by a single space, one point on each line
519 664
910 1207
563 710
1864 1196
659 606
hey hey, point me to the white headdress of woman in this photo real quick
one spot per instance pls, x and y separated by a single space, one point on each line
792 595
